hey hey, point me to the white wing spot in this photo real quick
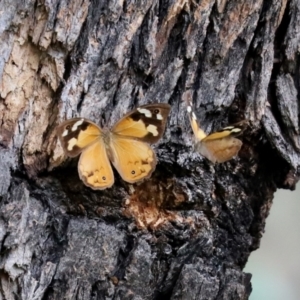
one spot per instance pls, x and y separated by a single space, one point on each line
78 123
65 133
71 143
189 109
194 116
145 112
236 130
159 117
152 129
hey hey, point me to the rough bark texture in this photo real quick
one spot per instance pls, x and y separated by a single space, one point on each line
187 232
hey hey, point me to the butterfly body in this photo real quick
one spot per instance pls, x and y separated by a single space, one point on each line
126 145
219 146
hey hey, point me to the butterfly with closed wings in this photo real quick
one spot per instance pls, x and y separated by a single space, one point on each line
126 145
219 146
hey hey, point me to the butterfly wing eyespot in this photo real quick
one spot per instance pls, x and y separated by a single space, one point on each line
146 123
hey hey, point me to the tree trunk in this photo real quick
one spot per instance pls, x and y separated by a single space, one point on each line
187 232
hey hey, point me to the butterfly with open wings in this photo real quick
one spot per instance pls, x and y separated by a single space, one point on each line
126 145
219 146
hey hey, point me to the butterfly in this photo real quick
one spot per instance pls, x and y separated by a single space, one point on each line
219 146
126 145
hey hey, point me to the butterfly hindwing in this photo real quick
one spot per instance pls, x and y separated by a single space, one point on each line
134 160
219 150
145 123
77 134
94 167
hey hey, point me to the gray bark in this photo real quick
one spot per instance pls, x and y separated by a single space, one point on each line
187 232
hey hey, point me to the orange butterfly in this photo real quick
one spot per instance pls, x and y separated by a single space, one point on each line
218 146
126 145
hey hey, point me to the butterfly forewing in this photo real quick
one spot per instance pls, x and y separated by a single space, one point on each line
133 159
224 132
146 123
77 134
94 167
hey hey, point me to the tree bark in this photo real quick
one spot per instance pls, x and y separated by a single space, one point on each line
187 232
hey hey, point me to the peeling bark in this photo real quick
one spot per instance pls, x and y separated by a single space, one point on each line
187 232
